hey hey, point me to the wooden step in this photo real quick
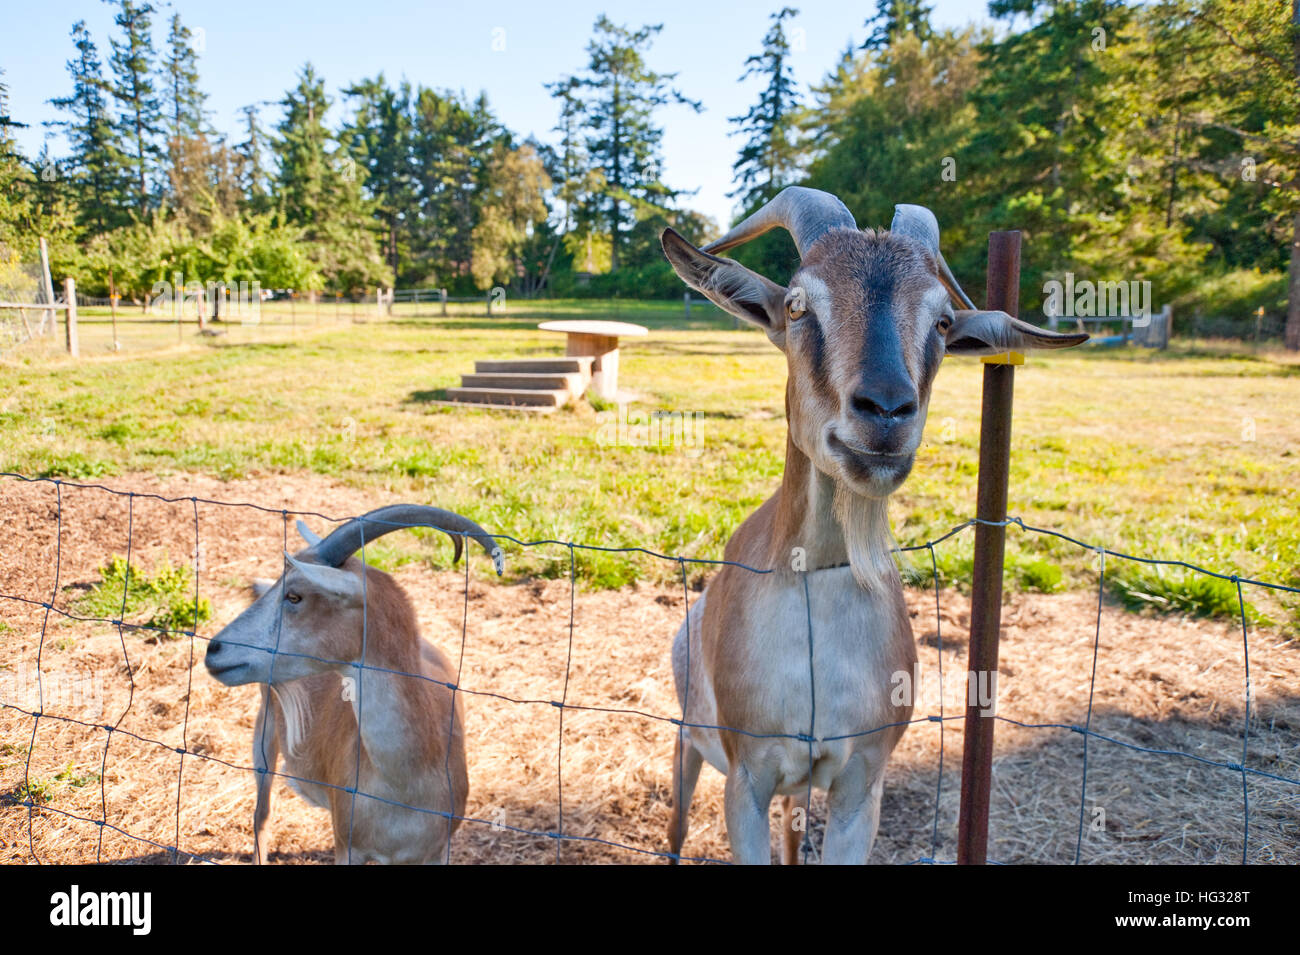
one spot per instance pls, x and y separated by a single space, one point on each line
489 406
573 382
538 366
553 398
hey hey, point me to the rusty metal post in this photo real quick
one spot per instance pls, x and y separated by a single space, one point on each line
990 550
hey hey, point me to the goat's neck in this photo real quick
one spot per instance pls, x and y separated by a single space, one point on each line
832 525
388 701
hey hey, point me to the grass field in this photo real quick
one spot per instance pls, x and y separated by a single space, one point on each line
1189 454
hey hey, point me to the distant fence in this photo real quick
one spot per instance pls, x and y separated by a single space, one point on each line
22 799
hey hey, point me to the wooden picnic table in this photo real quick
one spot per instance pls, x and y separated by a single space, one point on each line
599 340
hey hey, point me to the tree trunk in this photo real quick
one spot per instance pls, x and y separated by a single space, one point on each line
1293 290
1293 286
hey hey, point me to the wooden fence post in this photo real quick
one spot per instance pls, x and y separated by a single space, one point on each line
70 292
47 284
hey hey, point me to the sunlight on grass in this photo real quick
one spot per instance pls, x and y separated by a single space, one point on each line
1177 455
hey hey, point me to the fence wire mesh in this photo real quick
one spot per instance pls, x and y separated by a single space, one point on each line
27 799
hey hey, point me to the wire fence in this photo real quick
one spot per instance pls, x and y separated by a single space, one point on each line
24 799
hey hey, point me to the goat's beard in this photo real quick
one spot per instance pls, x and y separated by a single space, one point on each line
867 537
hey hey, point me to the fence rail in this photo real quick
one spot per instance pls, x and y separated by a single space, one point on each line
21 800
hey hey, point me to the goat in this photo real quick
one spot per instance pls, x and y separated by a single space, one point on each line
335 644
864 323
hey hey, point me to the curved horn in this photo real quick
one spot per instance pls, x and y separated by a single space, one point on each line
807 214
919 223
346 540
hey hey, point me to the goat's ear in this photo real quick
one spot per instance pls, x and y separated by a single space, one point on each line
977 332
342 585
307 534
728 284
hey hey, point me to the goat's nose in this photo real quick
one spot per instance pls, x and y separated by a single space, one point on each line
890 402
214 647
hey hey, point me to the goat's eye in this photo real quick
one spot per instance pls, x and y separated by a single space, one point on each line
796 305
945 323
292 597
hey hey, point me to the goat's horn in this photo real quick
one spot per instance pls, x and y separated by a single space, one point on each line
919 223
807 214
345 541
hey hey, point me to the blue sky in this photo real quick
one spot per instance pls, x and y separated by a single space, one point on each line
252 52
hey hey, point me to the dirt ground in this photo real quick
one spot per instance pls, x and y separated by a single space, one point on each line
1162 684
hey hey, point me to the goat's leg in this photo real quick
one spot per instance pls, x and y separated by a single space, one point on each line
266 756
854 812
686 773
747 799
793 837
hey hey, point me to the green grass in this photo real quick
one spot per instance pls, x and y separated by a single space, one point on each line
41 791
1187 454
164 599
1180 591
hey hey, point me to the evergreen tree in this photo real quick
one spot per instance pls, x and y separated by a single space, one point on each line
452 142
1243 104
254 179
139 120
1041 156
378 136
625 143
769 158
896 17
183 100
99 168
578 181
320 191
902 117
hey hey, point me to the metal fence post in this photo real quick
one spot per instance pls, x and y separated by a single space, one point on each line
990 550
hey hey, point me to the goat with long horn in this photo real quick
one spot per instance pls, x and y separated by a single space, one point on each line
864 323
338 650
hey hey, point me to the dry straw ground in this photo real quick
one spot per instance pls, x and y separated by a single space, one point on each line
1161 683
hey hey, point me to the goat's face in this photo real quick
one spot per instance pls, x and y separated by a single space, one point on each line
862 326
310 620
864 323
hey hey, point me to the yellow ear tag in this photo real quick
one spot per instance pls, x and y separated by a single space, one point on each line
1006 358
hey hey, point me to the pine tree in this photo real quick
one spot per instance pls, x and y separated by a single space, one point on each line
139 121
577 180
452 141
1039 157
900 120
625 143
378 136
99 169
15 177
183 100
1244 104
320 191
769 159
254 179
896 17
